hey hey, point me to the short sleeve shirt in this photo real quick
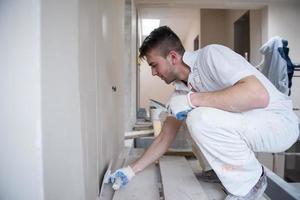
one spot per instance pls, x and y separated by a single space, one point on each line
216 67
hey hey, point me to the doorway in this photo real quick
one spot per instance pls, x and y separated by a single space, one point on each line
242 35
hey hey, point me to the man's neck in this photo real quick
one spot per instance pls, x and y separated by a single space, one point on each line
184 72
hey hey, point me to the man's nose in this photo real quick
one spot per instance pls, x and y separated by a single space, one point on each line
154 72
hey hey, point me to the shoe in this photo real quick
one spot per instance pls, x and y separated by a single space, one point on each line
256 192
209 176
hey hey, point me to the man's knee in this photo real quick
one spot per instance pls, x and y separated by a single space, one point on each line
200 115
200 119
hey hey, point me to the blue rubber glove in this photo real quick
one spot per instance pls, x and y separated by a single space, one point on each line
180 106
121 177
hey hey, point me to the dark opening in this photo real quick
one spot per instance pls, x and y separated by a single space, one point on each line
242 35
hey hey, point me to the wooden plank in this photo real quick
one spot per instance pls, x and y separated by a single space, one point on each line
135 134
143 123
138 127
144 186
179 152
213 191
178 179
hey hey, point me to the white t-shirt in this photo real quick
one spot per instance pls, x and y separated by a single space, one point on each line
216 67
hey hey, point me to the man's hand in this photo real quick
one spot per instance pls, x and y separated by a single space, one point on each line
180 105
121 177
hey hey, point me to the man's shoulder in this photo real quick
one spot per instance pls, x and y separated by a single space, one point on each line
213 47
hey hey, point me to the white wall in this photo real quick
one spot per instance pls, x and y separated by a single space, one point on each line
213 27
283 20
60 121
194 30
20 104
83 47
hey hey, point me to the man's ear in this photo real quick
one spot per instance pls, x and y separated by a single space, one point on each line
173 57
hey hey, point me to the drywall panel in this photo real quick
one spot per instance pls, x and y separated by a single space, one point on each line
63 92
105 81
61 116
110 70
20 115
130 65
88 95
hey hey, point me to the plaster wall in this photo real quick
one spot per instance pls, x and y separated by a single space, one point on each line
83 90
105 85
20 116
62 85
61 115
130 65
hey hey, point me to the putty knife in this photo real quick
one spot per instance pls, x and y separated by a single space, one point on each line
105 178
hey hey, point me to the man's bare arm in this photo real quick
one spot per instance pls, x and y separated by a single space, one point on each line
246 94
159 145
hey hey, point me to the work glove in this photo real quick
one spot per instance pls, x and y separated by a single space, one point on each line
121 177
180 105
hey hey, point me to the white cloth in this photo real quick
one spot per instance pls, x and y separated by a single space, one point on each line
274 67
227 139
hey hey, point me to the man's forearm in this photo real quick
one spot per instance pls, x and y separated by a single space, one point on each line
247 94
159 146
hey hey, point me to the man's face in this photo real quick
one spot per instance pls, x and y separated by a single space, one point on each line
161 67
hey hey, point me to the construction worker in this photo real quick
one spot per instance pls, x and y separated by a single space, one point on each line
230 108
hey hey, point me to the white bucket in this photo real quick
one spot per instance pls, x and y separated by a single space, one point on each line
154 114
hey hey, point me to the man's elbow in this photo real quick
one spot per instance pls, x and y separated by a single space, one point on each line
263 99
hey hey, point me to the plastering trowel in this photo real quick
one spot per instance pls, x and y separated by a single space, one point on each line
157 105
105 179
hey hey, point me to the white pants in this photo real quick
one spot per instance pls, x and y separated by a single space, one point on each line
228 141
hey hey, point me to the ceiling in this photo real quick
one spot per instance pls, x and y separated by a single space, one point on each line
223 4
178 14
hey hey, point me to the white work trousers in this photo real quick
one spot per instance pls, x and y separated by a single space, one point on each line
228 141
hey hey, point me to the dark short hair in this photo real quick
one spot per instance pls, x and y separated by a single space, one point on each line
164 40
